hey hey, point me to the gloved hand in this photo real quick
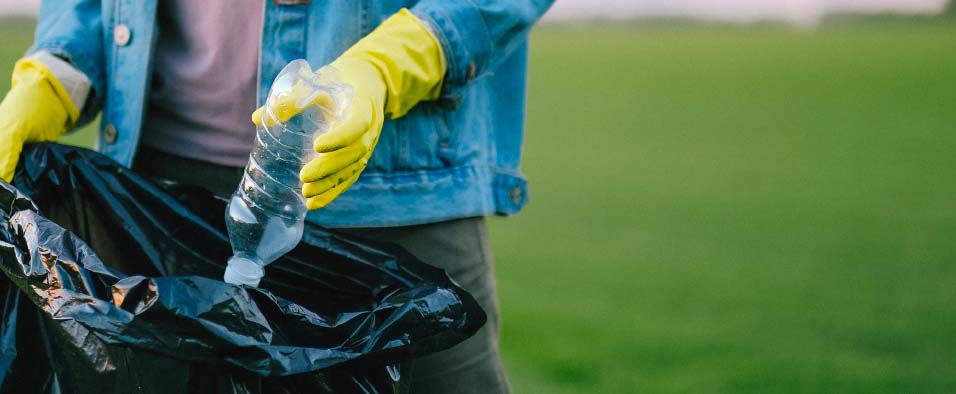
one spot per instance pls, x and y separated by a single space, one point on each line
391 70
37 108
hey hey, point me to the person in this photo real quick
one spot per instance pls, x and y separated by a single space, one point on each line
429 145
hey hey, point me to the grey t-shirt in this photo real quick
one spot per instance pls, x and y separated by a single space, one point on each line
203 90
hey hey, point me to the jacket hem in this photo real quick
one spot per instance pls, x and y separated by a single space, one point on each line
392 200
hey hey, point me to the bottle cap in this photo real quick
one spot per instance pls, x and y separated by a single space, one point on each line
242 271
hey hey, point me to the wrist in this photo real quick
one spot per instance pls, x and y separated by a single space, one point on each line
74 82
38 88
408 60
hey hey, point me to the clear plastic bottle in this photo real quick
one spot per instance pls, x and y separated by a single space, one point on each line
266 215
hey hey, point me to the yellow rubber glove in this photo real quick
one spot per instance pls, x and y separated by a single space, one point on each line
392 69
37 108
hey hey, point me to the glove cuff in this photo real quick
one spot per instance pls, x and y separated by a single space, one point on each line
408 57
32 71
76 83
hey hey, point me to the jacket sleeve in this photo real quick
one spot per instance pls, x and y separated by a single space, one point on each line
476 35
73 31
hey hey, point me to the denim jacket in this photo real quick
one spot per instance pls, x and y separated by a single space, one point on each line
454 157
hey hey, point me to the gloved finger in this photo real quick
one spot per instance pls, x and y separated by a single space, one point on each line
262 117
304 97
321 98
276 110
257 116
323 185
9 155
360 118
332 162
285 104
282 106
324 199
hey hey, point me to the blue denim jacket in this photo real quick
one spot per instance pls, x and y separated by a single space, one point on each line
454 157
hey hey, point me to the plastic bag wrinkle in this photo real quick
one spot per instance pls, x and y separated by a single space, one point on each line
145 312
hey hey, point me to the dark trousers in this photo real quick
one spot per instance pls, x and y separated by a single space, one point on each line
460 247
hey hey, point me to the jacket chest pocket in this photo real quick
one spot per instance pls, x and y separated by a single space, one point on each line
424 139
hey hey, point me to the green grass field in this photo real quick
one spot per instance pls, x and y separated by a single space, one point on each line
730 210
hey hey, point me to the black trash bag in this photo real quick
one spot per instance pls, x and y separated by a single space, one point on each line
139 306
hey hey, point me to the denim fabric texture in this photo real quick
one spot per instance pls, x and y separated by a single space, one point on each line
451 158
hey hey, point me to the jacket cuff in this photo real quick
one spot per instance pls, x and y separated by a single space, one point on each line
76 83
464 39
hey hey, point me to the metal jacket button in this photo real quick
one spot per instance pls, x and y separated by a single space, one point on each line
109 133
515 194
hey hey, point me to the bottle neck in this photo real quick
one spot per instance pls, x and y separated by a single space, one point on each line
244 271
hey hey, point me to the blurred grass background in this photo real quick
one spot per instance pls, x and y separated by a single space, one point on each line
724 209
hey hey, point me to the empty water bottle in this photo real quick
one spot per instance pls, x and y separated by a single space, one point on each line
266 214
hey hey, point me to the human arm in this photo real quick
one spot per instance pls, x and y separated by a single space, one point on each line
434 50
51 85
